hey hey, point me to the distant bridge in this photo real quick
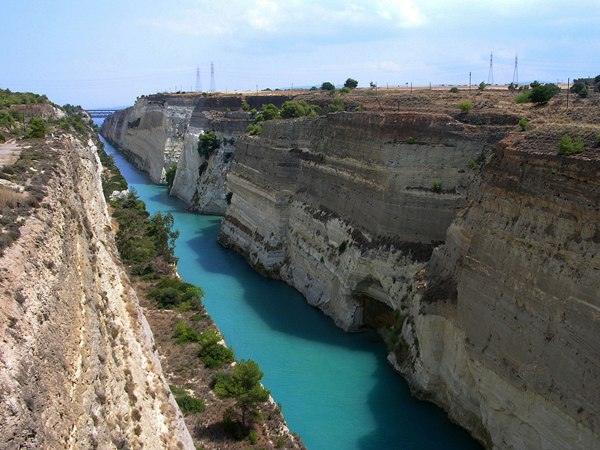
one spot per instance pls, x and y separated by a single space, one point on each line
101 113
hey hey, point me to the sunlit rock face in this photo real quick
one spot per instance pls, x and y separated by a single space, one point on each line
78 364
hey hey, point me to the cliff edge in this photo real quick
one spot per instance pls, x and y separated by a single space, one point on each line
78 366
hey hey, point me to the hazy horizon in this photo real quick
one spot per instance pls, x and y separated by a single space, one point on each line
105 54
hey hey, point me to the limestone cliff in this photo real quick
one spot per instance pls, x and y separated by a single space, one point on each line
500 325
78 366
343 207
162 130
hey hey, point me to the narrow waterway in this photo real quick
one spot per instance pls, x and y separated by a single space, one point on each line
336 389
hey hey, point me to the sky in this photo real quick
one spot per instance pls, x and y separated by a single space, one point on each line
106 53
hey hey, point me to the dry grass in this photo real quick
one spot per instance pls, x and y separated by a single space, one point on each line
11 199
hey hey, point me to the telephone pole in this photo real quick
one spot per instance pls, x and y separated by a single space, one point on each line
491 72
516 73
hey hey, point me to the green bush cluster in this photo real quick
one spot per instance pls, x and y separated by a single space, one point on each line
144 239
253 129
351 83
208 143
190 405
268 112
567 146
523 124
337 104
212 353
292 109
437 186
170 175
245 107
112 179
171 293
8 98
465 106
184 334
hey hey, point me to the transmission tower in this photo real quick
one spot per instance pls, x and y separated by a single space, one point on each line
198 84
516 73
212 78
491 72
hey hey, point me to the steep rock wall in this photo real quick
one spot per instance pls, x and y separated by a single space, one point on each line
78 367
506 334
342 207
162 130
500 326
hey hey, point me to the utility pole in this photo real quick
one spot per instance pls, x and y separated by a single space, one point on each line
516 72
411 87
568 83
491 72
213 87
469 81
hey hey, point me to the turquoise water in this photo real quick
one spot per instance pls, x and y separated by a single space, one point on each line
336 389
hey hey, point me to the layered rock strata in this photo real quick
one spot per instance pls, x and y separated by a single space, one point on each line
162 130
499 326
344 208
506 320
78 366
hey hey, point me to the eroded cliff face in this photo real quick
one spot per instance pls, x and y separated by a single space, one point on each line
343 208
78 366
162 130
507 317
499 326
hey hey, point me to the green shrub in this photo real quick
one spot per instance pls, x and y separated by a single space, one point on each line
359 107
190 405
2 138
184 334
523 97
482 86
170 175
342 247
473 165
280 441
465 106
523 124
270 112
245 106
37 128
344 90
327 86
299 109
437 186
569 147
177 391
578 87
583 93
253 129
411 140
541 94
253 437
208 143
212 353
336 105
454 90
253 111
598 139
216 377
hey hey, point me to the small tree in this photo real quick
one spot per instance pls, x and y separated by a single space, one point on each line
465 106
524 124
37 128
351 83
245 106
541 94
170 175
327 86
535 84
207 143
336 105
482 86
270 112
569 147
578 87
454 90
244 386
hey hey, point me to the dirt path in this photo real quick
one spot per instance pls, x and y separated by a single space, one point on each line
9 153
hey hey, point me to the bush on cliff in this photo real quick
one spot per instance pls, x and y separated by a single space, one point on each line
291 110
336 105
37 128
212 353
351 83
170 175
569 147
208 143
327 86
